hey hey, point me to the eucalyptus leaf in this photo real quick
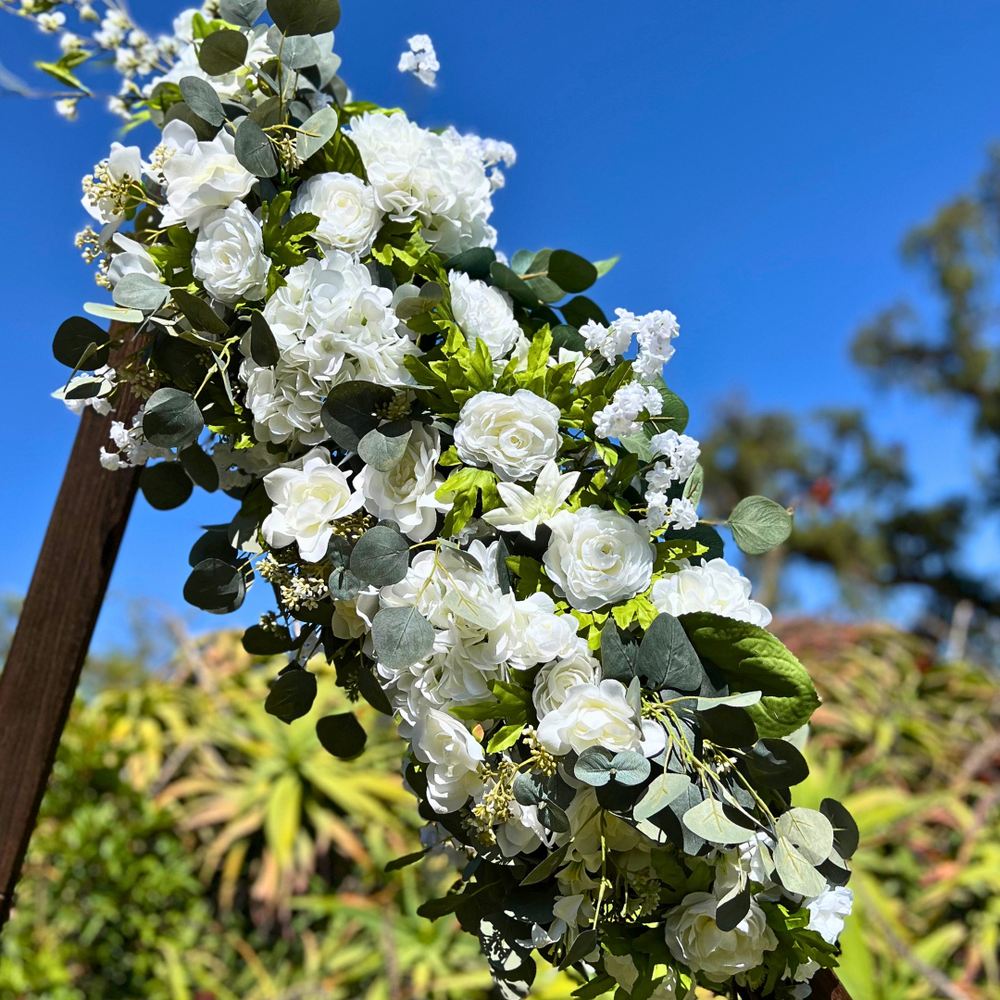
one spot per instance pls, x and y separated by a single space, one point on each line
297 51
504 278
304 17
796 874
140 291
777 764
384 447
254 150
171 419
165 485
661 792
617 658
732 908
263 346
244 12
475 263
809 832
695 484
116 313
727 726
349 411
709 821
666 657
79 341
585 943
259 641
845 829
580 309
201 98
198 312
341 735
402 636
593 766
222 52
553 817
603 266
547 868
215 586
200 467
292 695
570 271
629 768
322 127
381 557
759 525
372 691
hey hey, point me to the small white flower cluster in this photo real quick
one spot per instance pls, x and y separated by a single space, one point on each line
133 448
421 60
621 416
654 334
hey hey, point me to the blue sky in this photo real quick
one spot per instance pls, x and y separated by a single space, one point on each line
754 163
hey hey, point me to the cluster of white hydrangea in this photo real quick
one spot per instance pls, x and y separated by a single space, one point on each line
420 59
620 417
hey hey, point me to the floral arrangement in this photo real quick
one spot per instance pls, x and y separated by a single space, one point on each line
471 492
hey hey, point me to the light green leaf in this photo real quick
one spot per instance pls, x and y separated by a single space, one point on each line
661 792
809 832
708 821
796 874
603 266
759 524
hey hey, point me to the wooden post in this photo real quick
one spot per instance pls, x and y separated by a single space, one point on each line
54 631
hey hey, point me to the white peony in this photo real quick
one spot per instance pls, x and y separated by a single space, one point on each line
452 756
828 911
200 177
307 499
524 510
598 557
229 255
484 313
694 938
534 633
554 681
405 494
714 586
134 259
345 206
515 434
123 165
591 715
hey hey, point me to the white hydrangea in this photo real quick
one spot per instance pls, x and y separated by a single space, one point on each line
229 255
655 336
345 205
620 417
405 494
609 342
524 511
484 313
331 323
661 512
828 911
713 586
682 454
597 557
437 178
421 60
452 756
535 633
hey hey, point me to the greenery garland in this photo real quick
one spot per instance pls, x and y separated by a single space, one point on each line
466 498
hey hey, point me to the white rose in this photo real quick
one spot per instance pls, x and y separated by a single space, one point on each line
200 177
484 313
353 619
515 434
229 255
405 494
713 586
540 634
694 938
828 911
345 205
598 557
554 680
452 756
134 259
591 715
306 501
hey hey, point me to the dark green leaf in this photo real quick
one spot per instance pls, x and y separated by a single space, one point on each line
292 695
200 467
727 726
578 310
666 657
595 988
777 764
383 447
263 347
732 909
244 12
617 658
349 411
585 943
548 867
504 278
341 735
343 584
372 691
254 150
305 17
266 114
165 485
759 524
201 98
258 641
475 263
222 52
140 291
405 861
381 557
181 112
215 542
568 337
503 570
553 817
402 636
198 312
171 419
845 829
78 341
215 586
571 272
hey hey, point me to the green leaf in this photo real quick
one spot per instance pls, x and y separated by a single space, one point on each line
372 691
728 726
708 821
796 874
617 659
305 17
759 524
426 300
504 737
475 263
254 150
171 419
215 586
661 792
244 12
165 486
341 735
603 266
384 447
695 484
222 52
323 125
505 279
553 817
595 988
258 641
79 341
104 311
543 286
578 310
292 695
349 411
666 657
546 868
381 557
809 832
673 416
593 766
263 346
571 272
200 467
408 859
140 291
845 829
585 943
198 312
777 764
754 660
732 908
402 636
297 51
629 768
201 98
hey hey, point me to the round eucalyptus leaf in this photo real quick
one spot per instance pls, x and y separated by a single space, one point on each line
201 98
215 586
343 584
223 51
381 556
304 17
570 271
795 872
171 419
475 262
348 413
297 51
292 695
402 636
255 150
244 12
140 291
181 112
553 817
79 342
165 485
341 735
200 467
809 832
568 337
198 312
384 447
578 310
594 767
104 311
777 763
709 821
259 641
214 543
263 346
728 726
628 768
317 131
732 908
845 829
503 277
759 524
372 691
661 792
